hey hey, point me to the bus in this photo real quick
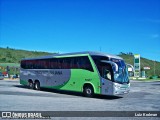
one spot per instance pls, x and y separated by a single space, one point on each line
87 72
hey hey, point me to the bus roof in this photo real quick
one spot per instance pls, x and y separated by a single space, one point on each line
76 53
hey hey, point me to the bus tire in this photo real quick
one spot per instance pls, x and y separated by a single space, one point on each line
37 85
88 91
30 84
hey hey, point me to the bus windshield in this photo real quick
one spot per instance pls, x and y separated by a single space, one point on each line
119 76
122 75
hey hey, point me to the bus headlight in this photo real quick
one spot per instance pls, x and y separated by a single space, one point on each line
117 86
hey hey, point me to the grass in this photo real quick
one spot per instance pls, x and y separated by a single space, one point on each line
9 64
9 55
147 79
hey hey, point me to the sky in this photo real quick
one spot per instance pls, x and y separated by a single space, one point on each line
109 26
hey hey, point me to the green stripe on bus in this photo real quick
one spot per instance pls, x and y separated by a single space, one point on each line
23 82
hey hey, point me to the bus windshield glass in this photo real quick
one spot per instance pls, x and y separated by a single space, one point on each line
122 75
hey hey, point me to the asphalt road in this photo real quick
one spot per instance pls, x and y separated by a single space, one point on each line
144 96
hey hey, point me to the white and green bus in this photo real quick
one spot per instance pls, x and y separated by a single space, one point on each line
87 72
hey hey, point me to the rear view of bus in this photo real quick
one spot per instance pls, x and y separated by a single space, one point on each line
113 72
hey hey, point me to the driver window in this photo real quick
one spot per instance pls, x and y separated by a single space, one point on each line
105 70
106 73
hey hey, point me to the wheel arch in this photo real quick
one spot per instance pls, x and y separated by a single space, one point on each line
36 81
30 80
89 84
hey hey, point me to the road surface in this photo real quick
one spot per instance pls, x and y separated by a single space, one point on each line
144 96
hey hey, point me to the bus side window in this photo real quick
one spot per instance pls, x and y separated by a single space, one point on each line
68 63
71 63
76 63
84 63
60 63
106 73
23 64
105 70
53 63
39 64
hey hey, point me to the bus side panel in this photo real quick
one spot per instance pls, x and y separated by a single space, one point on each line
23 77
47 77
64 79
79 77
23 82
73 79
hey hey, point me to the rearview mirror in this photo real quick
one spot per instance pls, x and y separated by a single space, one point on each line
113 64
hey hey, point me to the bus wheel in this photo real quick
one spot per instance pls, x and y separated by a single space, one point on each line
30 84
88 91
37 85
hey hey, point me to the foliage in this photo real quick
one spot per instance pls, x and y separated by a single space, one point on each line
9 55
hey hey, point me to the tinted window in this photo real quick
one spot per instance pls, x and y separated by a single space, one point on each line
58 63
103 68
98 59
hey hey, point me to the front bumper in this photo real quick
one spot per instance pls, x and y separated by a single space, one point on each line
120 89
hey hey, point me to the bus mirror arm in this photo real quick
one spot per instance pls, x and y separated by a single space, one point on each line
113 64
130 66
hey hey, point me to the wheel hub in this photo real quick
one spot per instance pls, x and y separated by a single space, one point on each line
88 91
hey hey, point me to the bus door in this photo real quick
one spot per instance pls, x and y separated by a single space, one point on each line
106 70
